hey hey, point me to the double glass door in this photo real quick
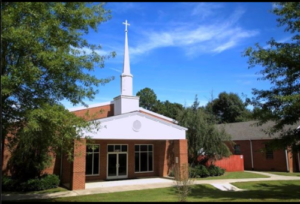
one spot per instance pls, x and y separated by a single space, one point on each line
117 161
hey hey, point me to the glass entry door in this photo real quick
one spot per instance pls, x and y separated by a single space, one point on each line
117 161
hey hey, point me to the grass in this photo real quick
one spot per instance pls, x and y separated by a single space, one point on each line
266 191
235 175
52 190
284 173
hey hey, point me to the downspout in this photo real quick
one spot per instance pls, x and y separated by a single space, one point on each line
252 165
287 162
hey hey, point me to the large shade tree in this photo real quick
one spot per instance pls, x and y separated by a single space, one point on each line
147 98
202 135
228 108
43 63
280 64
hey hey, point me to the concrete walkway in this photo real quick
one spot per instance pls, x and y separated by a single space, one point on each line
140 184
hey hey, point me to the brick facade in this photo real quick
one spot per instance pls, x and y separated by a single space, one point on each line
72 174
260 161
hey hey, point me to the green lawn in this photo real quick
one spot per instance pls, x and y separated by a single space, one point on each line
284 173
235 175
52 190
267 191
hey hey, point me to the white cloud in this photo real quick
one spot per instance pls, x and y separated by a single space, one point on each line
117 70
204 10
275 5
213 38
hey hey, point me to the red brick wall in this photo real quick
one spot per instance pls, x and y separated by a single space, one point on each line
260 162
107 110
181 151
78 166
278 163
161 158
55 166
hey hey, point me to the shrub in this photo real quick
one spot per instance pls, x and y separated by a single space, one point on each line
215 170
212 170
8 184
36 184
199 171
50 181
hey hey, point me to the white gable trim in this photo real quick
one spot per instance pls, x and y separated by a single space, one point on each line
136 126
158 115
142 115
91 106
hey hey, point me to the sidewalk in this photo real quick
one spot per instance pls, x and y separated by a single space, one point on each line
140 184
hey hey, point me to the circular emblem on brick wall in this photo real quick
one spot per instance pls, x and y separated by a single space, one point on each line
136 125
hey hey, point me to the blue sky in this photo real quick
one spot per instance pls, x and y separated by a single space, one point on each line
183 49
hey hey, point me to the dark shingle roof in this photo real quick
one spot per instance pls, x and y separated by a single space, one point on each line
248 130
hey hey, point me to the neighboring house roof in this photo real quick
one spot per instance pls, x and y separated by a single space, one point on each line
249 131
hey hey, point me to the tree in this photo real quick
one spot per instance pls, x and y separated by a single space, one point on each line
171 109
228 108
202 135
281 66
42 63
147 98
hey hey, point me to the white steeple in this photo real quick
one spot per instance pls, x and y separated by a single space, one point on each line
126 102
126 77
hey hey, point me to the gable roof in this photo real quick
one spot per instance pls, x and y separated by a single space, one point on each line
136 126
150 117
249 131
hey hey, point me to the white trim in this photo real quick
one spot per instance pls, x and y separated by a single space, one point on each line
142 115
287 161
93 161
117 161
91 106
158 115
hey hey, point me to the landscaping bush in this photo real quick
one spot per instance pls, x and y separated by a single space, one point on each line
220 171
212 170
8 184
215 170
36 184
199 171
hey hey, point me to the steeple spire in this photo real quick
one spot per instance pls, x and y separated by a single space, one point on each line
126 77
126 102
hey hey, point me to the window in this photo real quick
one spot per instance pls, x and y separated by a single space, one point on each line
269 152
143 158
92 160
117 148
237 149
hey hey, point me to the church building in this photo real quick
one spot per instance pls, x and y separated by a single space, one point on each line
132 143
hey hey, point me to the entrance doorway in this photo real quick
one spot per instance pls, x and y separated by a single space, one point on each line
117 161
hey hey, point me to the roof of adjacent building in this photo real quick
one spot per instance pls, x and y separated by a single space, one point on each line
250 131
